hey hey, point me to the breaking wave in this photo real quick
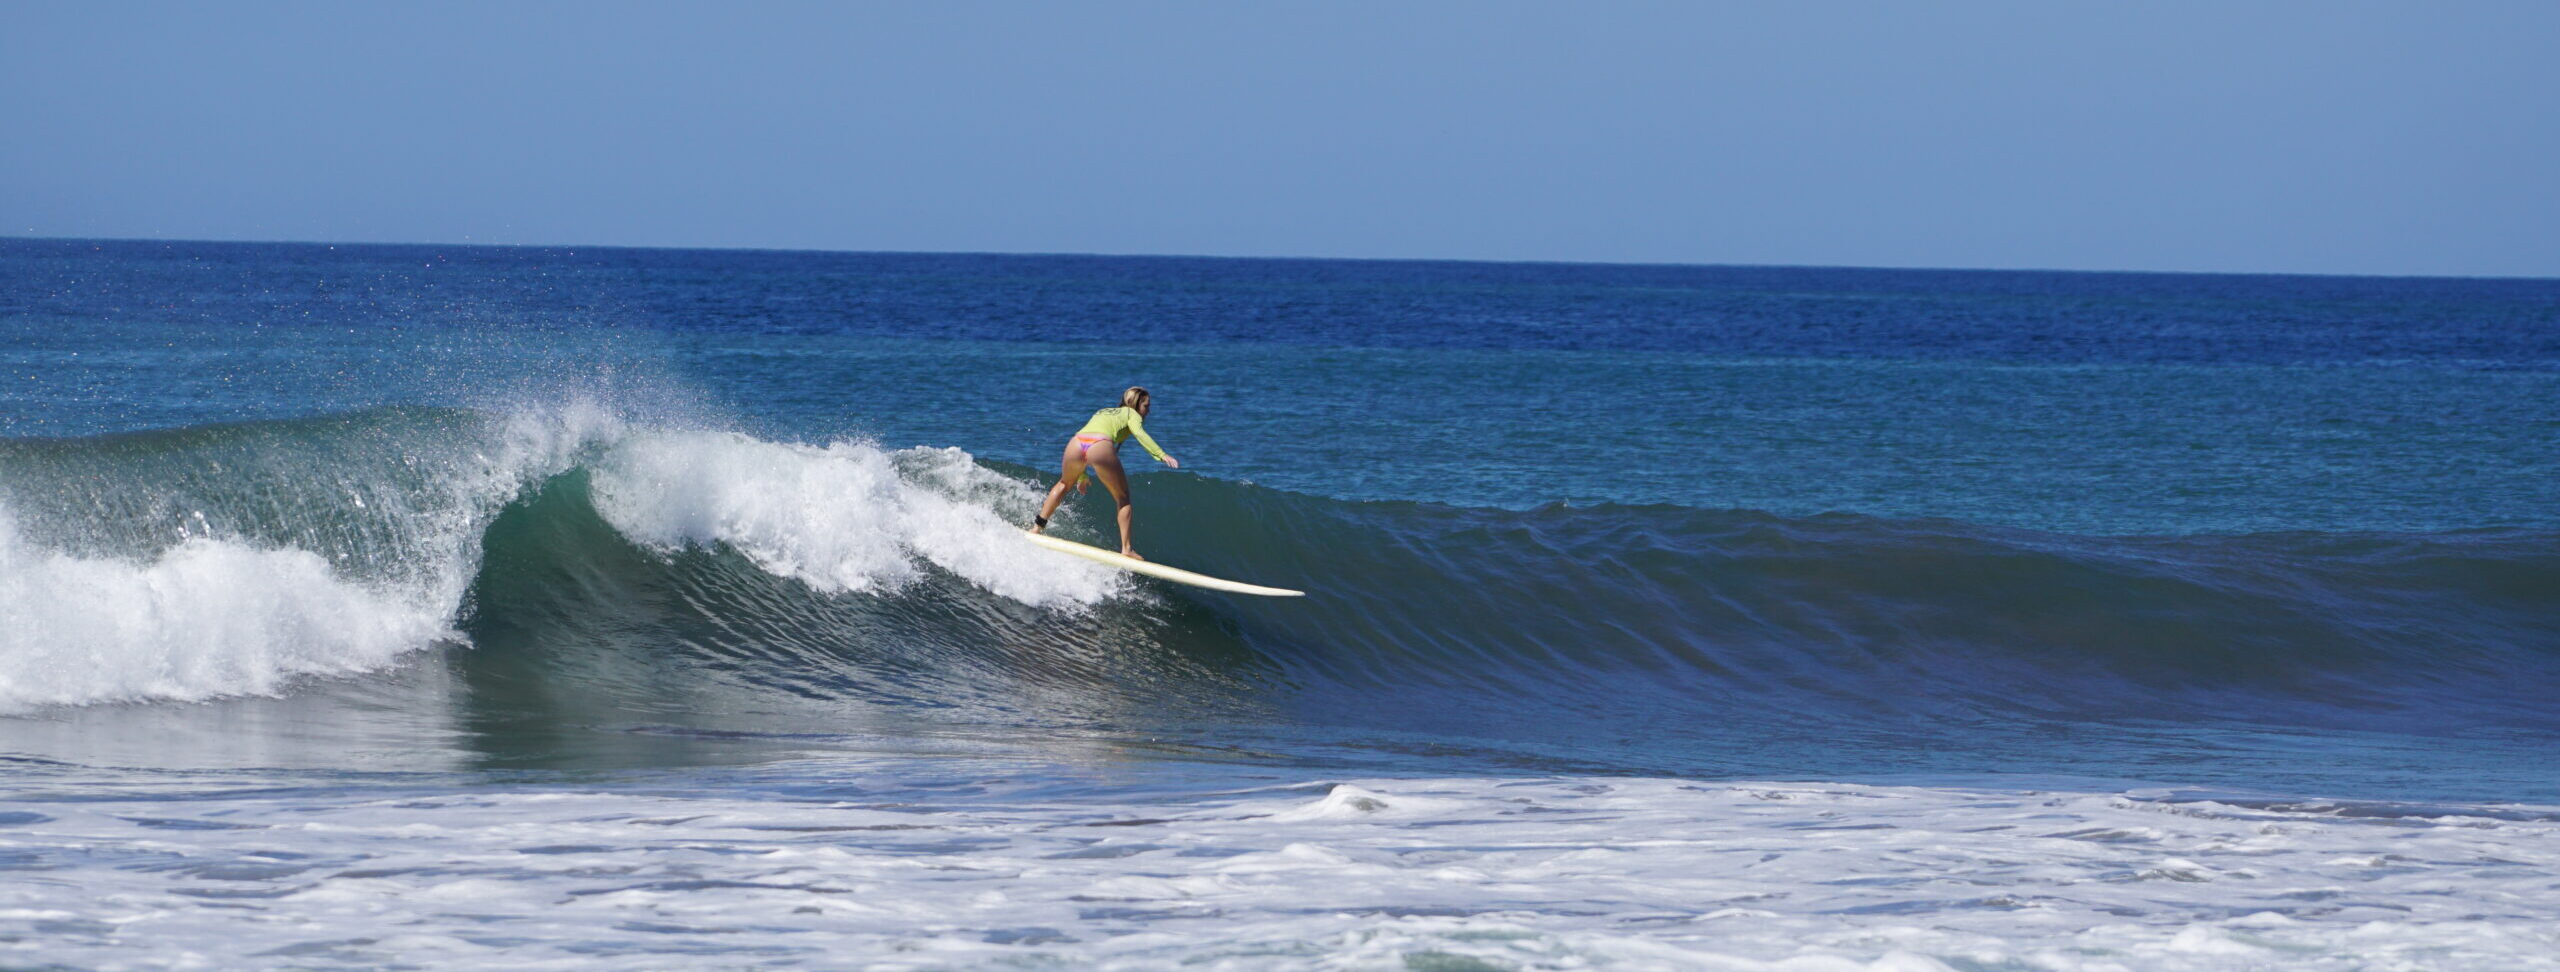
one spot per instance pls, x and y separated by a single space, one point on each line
196 563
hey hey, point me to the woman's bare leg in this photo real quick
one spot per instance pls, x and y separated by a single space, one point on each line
1069 467
1106 467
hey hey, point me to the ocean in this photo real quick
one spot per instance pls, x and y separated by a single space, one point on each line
371 606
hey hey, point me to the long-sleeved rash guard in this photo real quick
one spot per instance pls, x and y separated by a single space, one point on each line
1118 424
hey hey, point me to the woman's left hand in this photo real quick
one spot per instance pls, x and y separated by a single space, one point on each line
1172 462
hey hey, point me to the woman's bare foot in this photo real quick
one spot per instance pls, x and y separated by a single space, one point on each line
1131 554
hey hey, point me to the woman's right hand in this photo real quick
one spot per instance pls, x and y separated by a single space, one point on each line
1172 462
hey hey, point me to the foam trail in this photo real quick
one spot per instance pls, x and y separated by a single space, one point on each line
844 517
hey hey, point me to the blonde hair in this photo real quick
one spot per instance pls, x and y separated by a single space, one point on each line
1134 397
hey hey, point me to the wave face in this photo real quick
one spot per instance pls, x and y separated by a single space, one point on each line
641 575
1856 620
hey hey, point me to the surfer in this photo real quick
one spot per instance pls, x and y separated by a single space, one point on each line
1097 449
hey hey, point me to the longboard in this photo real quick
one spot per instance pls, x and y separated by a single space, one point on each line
1153 569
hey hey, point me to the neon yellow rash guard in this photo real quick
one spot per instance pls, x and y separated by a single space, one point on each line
1119 424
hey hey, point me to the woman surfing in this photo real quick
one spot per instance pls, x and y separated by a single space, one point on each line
1096 448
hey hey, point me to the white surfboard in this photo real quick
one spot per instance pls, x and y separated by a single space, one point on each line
1153 569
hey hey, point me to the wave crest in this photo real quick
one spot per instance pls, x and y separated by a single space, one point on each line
844 517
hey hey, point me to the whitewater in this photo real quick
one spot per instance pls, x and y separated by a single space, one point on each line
898 866
2039 622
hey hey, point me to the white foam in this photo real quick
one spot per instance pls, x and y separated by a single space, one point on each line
844 517
207 618
1534 873
1346 801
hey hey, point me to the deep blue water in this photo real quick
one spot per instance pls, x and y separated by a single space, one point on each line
2281 533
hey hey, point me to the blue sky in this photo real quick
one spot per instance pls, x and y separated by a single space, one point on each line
2300 137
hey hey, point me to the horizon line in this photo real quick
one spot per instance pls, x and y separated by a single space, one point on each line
1276 259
